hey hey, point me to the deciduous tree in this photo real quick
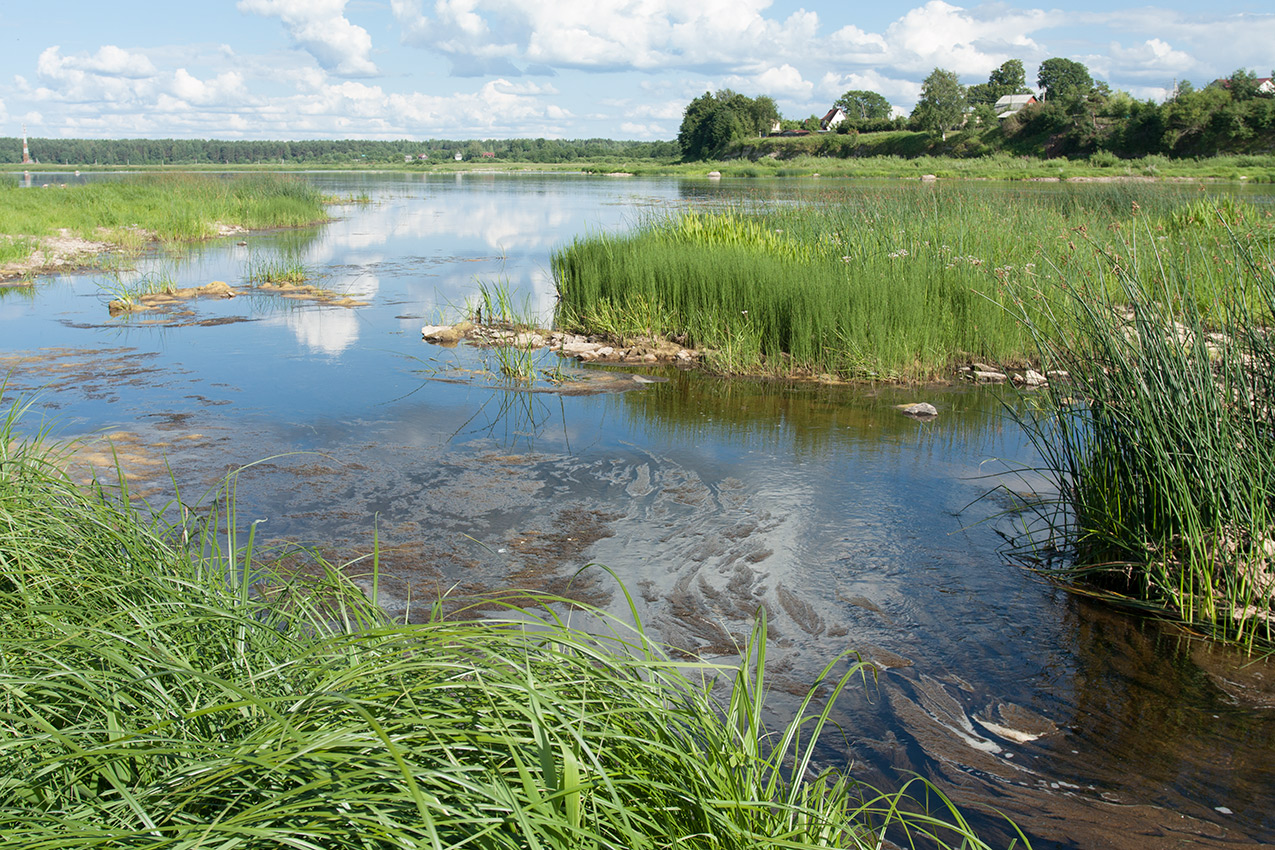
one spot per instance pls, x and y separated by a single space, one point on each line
942 103
864 105
1063 79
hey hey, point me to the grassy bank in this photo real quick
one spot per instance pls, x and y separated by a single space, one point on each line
894 155
154 697
897 284
130 212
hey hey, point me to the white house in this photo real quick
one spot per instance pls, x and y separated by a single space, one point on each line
1008 104
834 117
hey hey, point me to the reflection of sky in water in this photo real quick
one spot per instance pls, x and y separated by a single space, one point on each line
852 524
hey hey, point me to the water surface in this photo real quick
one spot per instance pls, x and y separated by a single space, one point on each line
853 527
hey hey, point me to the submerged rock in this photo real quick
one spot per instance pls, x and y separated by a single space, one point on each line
1031 379
918 410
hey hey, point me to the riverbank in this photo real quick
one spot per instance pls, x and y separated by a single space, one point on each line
889 156
61 226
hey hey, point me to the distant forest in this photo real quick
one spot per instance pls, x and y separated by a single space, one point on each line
324 151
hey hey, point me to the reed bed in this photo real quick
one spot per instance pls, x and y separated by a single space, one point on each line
178 207
165 686
1161 444
897 284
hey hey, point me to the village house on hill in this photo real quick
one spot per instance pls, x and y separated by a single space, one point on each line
1008 104
834 117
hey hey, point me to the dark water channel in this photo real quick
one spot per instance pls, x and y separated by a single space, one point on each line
855 527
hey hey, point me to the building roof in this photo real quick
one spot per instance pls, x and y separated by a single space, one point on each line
1014 102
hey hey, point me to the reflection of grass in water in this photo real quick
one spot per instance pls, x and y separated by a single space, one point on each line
167 682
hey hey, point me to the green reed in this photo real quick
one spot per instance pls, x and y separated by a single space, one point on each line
897 283
277 268
1161 443
166 685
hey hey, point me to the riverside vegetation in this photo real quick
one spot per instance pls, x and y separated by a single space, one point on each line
1158 305
167 685
130 213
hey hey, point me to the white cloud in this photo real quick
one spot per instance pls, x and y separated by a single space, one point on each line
111 75
834 85
629 130
113 62
941 35
224 88
785 82
479 35
320 28
1151 57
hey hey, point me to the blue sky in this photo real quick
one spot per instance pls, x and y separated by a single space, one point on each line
623 69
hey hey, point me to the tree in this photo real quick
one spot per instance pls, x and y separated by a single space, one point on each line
764 114
711 122
1009 78
1063 79
864 105
1242 84
942 103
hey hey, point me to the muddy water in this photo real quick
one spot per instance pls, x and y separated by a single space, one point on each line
852 526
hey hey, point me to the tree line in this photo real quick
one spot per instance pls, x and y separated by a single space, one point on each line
1075 115
324 151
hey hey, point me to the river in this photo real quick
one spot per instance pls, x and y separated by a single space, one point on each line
853 526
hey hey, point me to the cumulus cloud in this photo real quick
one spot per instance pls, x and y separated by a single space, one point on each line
940 34
1151 57
602 35
904 90
222 88
111 74
320 28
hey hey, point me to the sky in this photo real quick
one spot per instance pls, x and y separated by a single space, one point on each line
619 69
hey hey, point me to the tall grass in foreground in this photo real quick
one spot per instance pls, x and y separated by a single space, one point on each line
1162 444
170 207
161 693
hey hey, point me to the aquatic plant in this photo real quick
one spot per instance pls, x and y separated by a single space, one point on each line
128 286
166 685
1161 442
496 305
284 267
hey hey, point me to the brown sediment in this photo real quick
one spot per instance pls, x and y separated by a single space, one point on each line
168 298
310 292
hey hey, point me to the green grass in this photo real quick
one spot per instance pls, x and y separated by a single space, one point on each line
899 282
1161 444
128 211
129 286
166 685
286 267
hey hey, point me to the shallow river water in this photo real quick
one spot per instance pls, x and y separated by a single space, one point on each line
854 527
